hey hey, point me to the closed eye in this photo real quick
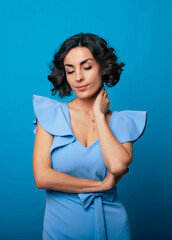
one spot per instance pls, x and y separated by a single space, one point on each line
84 68
88 68
70 72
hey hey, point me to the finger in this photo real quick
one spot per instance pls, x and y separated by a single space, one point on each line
105 93
102 88
107 99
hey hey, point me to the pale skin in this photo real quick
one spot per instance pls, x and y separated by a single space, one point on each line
93 101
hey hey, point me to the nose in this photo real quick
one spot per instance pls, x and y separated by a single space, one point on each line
79 75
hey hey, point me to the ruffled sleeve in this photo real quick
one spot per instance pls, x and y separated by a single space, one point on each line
45 110
130 125
50 116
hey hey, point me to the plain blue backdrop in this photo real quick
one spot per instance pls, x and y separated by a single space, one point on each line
31 32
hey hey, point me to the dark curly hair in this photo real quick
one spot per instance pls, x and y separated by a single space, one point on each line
98 47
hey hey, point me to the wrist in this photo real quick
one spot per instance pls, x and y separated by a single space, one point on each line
104 186
99 116
101 186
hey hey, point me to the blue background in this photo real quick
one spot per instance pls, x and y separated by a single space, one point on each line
31 32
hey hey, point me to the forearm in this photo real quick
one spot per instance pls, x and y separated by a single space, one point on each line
115 156
58 181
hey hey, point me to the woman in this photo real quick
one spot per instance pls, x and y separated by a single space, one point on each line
82 148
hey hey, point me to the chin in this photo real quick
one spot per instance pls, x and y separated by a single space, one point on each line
86 94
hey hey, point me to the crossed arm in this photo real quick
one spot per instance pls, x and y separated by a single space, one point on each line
47 178
117 157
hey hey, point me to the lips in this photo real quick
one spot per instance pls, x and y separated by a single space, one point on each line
82 86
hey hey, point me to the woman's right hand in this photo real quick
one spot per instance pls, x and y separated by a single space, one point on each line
111 180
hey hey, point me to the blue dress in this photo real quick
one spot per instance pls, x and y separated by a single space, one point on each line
83 216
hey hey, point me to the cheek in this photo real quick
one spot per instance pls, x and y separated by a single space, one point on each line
69 80
94 77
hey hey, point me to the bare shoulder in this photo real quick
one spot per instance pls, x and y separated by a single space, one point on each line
41 132
41 154
43 142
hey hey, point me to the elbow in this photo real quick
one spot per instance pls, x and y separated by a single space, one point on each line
42 178
120 167
117 170
39 181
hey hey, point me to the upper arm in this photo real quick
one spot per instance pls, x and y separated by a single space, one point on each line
129 147
41 152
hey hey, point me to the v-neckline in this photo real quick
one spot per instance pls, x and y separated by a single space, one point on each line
97 140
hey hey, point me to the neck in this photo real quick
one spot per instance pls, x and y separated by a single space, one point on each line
85 105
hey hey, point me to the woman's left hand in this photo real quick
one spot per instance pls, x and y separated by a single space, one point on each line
101 103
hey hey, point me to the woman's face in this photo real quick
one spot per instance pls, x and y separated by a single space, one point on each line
82 69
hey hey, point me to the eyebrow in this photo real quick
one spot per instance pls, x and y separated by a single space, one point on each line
81 63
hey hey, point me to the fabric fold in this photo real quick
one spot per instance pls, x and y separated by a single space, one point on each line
130 125
49 113
88 198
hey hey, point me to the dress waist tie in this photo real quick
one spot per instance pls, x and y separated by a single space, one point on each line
88 198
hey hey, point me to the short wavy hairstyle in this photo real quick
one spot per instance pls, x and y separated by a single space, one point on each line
103 54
